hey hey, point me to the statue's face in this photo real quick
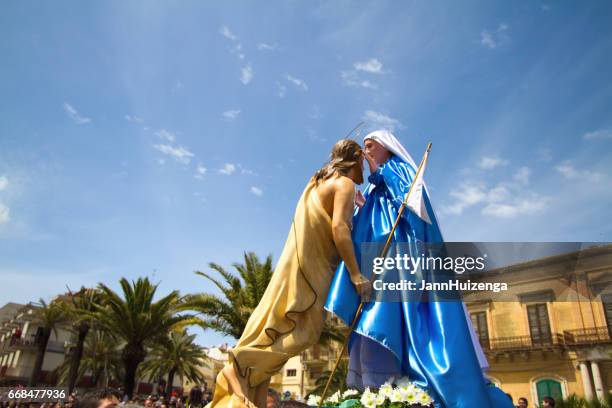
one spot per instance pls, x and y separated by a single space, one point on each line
376 151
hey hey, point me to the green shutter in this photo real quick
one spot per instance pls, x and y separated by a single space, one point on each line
549 388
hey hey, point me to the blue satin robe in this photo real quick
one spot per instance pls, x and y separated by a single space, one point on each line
430 342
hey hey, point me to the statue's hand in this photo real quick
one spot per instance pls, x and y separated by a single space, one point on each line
372 163
363 286
359 199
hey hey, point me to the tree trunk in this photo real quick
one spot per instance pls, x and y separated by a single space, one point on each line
42 339
132 356
96 375
170 382
76 355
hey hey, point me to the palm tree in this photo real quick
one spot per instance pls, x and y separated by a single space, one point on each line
101 358
176 354
48 317
138 321
338 383
241 294
79 307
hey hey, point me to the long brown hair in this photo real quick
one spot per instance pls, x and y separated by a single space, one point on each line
345 154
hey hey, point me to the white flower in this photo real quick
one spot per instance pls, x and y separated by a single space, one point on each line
349 392
380 399
396 395
423 398
368 399
313 400
385 390
409 387
408 395
334 398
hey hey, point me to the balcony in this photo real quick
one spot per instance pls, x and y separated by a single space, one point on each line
21 344
315 355
567 339
522 343
591 336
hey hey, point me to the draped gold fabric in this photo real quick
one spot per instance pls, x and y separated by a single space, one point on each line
289 317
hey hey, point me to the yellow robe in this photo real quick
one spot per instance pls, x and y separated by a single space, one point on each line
289 317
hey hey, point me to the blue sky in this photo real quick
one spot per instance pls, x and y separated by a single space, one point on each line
151 138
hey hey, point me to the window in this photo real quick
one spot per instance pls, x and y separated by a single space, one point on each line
292 372
315 373
549 388
479 321
539 325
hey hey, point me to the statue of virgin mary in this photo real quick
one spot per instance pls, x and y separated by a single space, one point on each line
430 342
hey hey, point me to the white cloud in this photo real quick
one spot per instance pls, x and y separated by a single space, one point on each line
382 120
527 206
503 200
246 74
299 83
266 47
74 114
598 134
3 182
231 114
282 90
373 66
133 119
200 172
237 49
489 163
486 39
497 194
166 135
465 196
350 78
257 191
244 170
228 169
180 154
225 31
571 173
493 39
522 175
314 136
4 214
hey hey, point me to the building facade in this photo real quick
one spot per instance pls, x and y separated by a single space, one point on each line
18 349
550 334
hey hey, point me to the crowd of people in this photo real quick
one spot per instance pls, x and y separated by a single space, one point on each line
198 397
547 402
